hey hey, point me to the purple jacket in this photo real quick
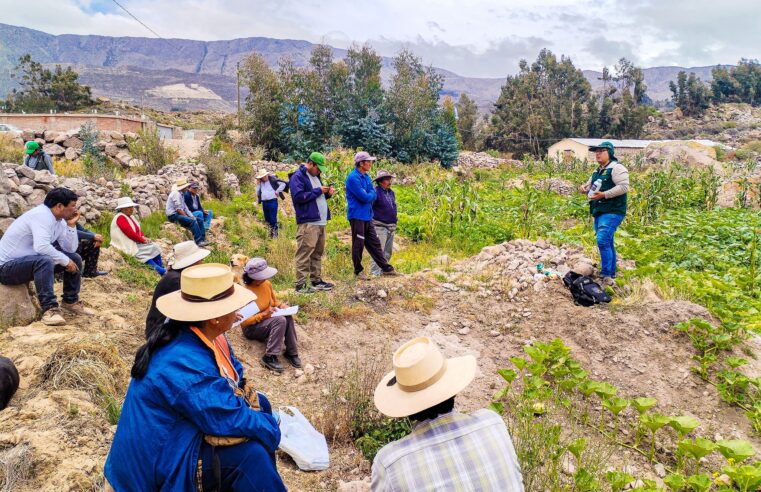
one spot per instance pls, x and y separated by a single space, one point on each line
384 207
304 196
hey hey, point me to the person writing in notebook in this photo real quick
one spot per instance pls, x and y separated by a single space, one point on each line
266 326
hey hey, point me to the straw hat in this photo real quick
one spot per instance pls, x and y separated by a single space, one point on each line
262 173
206 292
383 174
257 269
187 253
125 202
181 184
422 378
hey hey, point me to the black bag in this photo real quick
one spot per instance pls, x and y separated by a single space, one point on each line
585 291
276 182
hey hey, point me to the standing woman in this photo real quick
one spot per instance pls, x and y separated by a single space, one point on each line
127 236
187 389
268 188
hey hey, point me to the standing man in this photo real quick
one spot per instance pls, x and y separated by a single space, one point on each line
310 203
177 211
384 216
27 253
268 188
360 196
36 158
193 201
607 190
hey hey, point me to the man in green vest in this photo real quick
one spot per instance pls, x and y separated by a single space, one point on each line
607 190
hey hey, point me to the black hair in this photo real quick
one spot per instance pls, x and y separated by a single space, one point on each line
158 337
445 406
246 279
63 196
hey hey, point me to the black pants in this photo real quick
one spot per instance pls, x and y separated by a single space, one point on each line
363 236
90 254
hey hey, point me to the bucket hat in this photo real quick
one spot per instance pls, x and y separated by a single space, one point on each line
422 378
124 202
383 174
206 292
257 269
262 173
187 253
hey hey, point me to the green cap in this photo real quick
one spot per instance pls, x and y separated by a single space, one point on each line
606 146
318 159
31 146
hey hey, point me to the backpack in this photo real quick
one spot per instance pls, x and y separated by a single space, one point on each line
276 182
585 291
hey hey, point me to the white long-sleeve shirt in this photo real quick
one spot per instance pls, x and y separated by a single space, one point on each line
266 190
34 234
176 201
620 176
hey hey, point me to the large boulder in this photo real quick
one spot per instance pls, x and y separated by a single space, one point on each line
73 142
5 209
693 154
53 149
71 153
116 136
27 135
50 135
5 224
111 150
16 305
5 184
60 138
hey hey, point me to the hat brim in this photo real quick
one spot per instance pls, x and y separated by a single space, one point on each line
597 147
322 167
393 401
265 274
180 188
127 205
190 259
260 176
31 151
173 306
384 177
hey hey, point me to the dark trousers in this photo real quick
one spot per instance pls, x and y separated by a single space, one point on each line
269 207
42 270
193 223
363 236
276 331
89 254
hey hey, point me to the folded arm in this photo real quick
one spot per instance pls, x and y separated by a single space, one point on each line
43 241
355 186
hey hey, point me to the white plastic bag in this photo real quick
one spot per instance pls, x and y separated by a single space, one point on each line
301 441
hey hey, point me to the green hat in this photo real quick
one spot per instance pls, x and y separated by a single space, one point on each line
318 159
31 147
605 145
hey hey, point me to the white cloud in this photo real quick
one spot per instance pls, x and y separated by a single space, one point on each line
470 37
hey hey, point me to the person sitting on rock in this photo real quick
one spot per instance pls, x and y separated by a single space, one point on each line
36 158
128 237
446 450
186 254
276 331
178 212
193 201
27 253
89 250
190 420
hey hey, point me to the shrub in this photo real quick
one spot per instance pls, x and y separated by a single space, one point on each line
149 148
67 168
753 146
94 161
10 151
221 158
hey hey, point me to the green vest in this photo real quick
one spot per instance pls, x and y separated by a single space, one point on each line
615 205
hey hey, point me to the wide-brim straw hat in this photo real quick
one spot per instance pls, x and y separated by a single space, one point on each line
383 174
181 184
262 174
257 269
187 253
124 202
206 292
422 378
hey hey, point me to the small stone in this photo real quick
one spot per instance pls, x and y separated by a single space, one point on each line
723 479
660 470
382 294
298 373
308 369
464 331
568 468
494 333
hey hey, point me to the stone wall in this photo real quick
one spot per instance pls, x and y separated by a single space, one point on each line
68 144
22 188
66 122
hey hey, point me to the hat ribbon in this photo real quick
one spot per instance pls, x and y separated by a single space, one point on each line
222 295
425 384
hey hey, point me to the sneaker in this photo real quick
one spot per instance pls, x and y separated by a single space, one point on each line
77 308
294 360
361 276
271 363
391 273
53 317
305 289
203 244
95 275
608 282
322 285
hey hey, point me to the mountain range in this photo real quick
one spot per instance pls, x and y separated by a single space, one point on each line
181 74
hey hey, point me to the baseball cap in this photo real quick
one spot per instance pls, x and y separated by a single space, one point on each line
318 159
605 145
363 156
31 146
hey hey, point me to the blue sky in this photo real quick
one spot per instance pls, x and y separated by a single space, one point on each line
470 37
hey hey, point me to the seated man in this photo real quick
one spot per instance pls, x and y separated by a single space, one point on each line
193 201
89 251
177 211
446 450
36 158
27 253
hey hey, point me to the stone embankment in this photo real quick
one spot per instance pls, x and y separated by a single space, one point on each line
69 145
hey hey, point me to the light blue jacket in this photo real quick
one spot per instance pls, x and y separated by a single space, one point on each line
360 195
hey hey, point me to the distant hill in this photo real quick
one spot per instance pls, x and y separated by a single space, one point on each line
178 74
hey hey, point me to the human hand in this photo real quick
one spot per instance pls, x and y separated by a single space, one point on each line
332 191
597 195
325 189
72 222
283 305
72 267
584 188
98 238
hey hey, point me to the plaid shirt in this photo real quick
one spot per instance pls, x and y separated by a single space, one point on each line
454 452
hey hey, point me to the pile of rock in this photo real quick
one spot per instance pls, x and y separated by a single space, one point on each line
68 145
273 166
556 185
22 188
480 160
511 268
232 183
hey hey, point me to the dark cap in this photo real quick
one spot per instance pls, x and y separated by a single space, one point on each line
605 145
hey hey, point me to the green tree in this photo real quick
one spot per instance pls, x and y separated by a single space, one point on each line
690 94
263 102
42 90
741 83
467 121
449 114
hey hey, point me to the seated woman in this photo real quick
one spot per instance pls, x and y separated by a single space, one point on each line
187 393
127 236
263 326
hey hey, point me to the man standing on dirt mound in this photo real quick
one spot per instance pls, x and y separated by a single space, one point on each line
607 190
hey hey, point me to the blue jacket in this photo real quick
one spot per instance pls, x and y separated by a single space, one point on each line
167 412
360 196
193 202
304 196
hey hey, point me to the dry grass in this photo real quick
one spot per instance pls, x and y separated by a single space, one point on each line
67 168
9 150
16 467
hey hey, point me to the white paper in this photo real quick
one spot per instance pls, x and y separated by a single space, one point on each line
289 311
247 311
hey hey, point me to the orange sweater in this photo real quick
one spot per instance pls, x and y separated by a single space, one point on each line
265 298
